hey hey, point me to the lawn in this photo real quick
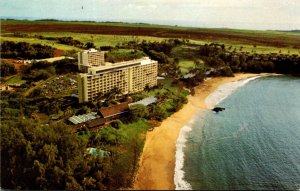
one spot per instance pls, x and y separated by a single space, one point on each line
186 65
123 55
134 129
167 87
16 79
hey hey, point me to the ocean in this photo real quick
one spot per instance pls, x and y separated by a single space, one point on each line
253 145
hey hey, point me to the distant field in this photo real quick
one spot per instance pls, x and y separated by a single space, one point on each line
266 38
98 39
113 40
33 40
258 49
122 24
111 34
143 25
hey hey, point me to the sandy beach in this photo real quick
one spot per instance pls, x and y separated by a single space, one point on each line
157 163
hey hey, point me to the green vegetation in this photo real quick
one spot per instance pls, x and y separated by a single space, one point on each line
137 112
186 66
54 157
16 79
33 40
269 41
123 55
97 39
7 69
25 50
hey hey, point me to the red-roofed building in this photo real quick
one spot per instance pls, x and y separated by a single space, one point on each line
114 111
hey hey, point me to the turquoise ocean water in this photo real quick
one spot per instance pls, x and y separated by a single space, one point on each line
254 144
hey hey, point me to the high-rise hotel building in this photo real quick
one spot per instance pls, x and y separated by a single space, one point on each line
129 77
90 58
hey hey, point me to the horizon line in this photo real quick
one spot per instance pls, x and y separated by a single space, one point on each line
139 23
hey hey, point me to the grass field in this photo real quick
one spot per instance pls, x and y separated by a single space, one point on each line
98 39
186 65
16 79
113 40
33 40
258 49
261 49
113 33
251 37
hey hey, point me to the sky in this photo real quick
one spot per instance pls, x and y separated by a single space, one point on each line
242 14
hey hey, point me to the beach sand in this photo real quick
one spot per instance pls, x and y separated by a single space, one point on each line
157 162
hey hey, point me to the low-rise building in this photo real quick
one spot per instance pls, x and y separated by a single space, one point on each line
114 111
4 87
146 101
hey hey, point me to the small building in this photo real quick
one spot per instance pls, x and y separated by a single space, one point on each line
74 95
146 101
97 152
189 75
39 116
79 126
77 119
55 118
4 87
114 111
96 123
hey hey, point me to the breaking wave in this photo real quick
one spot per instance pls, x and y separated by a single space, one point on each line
223 91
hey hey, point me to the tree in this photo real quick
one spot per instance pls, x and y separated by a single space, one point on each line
117 124
36 157
36 92
137 112
65 66
159 56
7 69
90 45
158 113
25 50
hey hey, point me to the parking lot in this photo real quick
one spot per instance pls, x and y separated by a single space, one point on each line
60 85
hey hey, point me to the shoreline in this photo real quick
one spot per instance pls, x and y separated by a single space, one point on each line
157 163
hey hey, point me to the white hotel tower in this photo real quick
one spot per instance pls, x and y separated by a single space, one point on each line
100 77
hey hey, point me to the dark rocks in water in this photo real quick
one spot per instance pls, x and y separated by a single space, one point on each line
217 109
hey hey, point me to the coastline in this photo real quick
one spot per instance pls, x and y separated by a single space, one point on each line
157 162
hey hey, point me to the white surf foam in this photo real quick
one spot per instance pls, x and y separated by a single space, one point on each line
180 183
225 90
